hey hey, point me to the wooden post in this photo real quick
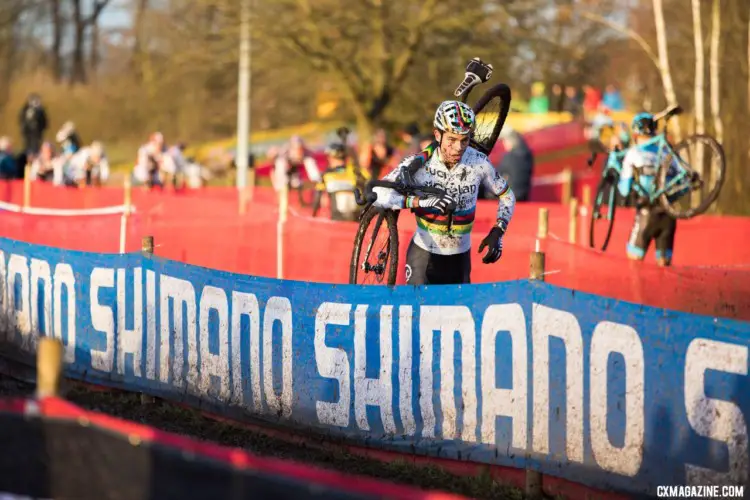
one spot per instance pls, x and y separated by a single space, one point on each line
585 212
543 223
147 245
536 265
283 207
49 363
147 248
567 188
533 485
243 200
586 196
573 227
125 214
27 186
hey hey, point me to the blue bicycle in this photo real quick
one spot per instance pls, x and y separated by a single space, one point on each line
695 163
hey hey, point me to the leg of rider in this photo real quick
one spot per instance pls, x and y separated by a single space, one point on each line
665 240
466 268
417 262
638 244
278 179
449 269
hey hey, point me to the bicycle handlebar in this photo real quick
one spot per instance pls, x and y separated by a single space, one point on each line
402 189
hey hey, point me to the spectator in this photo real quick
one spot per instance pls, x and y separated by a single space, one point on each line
8 168
557 101
592 97
46 167
539 102
376 156
68 139
613 99
154 164
425 140
33 121
177 152
517 164
88 166
572 103
410 137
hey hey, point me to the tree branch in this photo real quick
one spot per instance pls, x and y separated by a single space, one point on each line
99 6
625 31
416 34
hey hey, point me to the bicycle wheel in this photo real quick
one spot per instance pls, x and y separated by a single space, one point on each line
602 221
491 111
681 197
375 255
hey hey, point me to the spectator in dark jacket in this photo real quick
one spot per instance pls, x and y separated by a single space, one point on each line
517 164
8 168
33 121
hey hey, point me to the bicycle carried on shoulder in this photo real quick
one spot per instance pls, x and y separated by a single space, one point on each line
379 261
673 193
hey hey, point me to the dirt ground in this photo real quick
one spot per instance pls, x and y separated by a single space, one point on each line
173 418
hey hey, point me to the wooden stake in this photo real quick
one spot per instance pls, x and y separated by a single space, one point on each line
567 188
147 248
573 218
586 195
49 367
543 223
27 186
534 477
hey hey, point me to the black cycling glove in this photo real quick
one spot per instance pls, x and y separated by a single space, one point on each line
443 203
494 240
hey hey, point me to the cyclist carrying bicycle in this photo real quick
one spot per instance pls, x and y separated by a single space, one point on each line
339 180
436 255
652 222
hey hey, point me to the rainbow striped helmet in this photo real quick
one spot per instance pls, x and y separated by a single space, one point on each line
455 117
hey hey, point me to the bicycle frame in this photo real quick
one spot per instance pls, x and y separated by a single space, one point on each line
674 185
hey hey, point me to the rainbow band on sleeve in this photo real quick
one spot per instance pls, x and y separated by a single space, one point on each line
427 152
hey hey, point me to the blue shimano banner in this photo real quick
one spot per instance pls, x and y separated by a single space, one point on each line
520 374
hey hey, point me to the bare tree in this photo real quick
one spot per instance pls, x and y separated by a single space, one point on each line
370 61
80 25
666 74
57 36
699 90
715 70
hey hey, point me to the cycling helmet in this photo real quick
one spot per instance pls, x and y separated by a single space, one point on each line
644 124
455 117
97 149
336 150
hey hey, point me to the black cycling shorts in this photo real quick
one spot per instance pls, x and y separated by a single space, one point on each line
652 224
425 268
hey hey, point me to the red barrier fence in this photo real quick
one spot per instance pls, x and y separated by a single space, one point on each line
54 449
203 228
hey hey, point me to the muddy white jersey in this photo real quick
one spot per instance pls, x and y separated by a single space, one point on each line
462 182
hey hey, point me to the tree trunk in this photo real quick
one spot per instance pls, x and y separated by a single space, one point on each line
700 107
94 49
715 70
57 35
79 65
666 74
138 22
